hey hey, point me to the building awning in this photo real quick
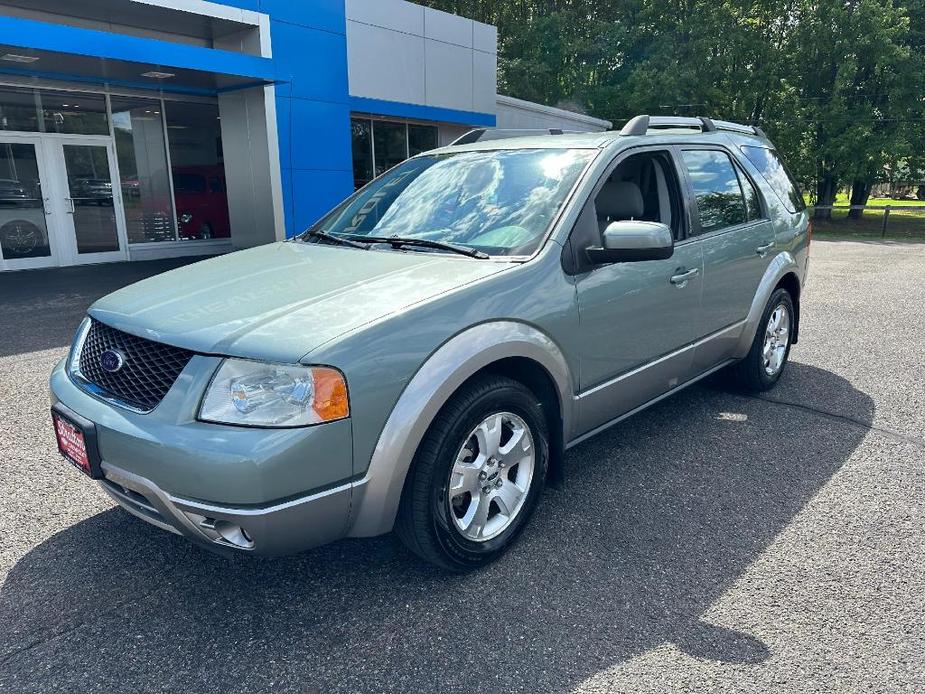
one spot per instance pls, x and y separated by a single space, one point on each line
62 52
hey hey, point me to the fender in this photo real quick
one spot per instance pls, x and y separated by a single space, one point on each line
376 496
782 264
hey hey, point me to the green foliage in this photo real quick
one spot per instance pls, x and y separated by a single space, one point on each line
837 84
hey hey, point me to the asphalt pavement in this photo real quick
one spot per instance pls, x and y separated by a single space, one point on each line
715 542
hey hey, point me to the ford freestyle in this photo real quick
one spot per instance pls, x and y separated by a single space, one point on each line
421 358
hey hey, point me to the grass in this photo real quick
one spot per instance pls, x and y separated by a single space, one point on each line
903 225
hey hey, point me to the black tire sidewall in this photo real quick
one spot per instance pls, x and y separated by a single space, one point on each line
781 296
505 398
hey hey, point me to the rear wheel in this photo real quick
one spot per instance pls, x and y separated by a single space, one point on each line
766 359
477 475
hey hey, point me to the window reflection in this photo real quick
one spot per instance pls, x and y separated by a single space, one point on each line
23 233
499 201
74 113
198 168
716 189
361 133
378 145
142 155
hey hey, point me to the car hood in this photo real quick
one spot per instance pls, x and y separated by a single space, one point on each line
279 302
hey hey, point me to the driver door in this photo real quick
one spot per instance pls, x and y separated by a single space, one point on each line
638 320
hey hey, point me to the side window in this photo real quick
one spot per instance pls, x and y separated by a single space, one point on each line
752 201
771 166
716 189
643 186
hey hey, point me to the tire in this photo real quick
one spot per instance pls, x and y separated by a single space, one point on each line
434 526
19 238
756 372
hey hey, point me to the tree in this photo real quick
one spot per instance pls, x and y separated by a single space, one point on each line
837 84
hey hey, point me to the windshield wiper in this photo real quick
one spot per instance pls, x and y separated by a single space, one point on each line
339 240
399 241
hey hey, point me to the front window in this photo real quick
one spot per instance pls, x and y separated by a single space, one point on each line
500 202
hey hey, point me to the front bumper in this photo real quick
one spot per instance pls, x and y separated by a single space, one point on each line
274 530
267 491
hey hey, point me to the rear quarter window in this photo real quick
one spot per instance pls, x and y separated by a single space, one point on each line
771 166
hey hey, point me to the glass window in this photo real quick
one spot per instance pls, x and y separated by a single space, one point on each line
23 233
752 201
73 113
391 144
142 155
18 110
421 138
194 132
501 201
716 189
362 142
772 167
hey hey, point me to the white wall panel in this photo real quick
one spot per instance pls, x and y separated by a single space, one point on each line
484 37
484 81
391 14
385 64
448 28
448 75
398 51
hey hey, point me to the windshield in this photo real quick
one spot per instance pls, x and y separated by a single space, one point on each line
500 202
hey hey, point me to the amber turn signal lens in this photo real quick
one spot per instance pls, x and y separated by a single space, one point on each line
330 394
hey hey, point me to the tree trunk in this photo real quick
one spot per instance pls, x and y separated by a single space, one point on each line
825 195
860 194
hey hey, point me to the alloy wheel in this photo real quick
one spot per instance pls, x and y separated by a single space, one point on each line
491 477
776 340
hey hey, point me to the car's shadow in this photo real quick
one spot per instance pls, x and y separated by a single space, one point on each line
657 519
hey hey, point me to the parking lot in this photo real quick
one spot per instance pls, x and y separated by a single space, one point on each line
714 542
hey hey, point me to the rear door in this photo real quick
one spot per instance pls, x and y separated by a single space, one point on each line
730 220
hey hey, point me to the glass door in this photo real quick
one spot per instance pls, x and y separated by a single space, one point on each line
26 219
92 219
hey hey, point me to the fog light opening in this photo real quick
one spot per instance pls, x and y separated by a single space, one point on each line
234 534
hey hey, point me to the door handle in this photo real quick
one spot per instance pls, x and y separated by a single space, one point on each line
70 205
762 251
681 279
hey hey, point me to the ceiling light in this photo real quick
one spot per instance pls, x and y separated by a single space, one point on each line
14 58
154 74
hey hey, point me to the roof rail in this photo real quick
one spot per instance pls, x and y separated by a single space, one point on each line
486 134
640 125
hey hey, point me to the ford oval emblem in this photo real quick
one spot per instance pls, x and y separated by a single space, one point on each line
112 360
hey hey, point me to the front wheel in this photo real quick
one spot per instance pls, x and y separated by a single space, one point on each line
765 362
476 477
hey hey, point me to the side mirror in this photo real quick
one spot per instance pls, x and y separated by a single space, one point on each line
632 241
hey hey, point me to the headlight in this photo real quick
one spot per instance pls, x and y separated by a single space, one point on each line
253 393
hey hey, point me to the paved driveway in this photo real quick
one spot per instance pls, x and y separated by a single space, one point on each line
713 542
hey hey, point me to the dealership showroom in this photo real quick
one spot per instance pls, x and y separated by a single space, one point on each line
144 129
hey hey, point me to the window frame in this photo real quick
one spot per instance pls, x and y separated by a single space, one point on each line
576 261
696 228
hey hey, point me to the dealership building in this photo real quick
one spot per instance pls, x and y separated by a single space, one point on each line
141 129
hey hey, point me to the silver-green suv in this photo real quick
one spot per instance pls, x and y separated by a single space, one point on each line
421 358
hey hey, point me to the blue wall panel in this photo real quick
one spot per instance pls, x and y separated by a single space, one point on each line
313 61
312 106
309 150
327 15
316 192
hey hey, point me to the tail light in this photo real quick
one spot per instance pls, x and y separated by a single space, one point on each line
809 235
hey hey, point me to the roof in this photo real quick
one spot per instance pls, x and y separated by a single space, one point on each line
602 140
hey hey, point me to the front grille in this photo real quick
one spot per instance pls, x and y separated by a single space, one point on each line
148 371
